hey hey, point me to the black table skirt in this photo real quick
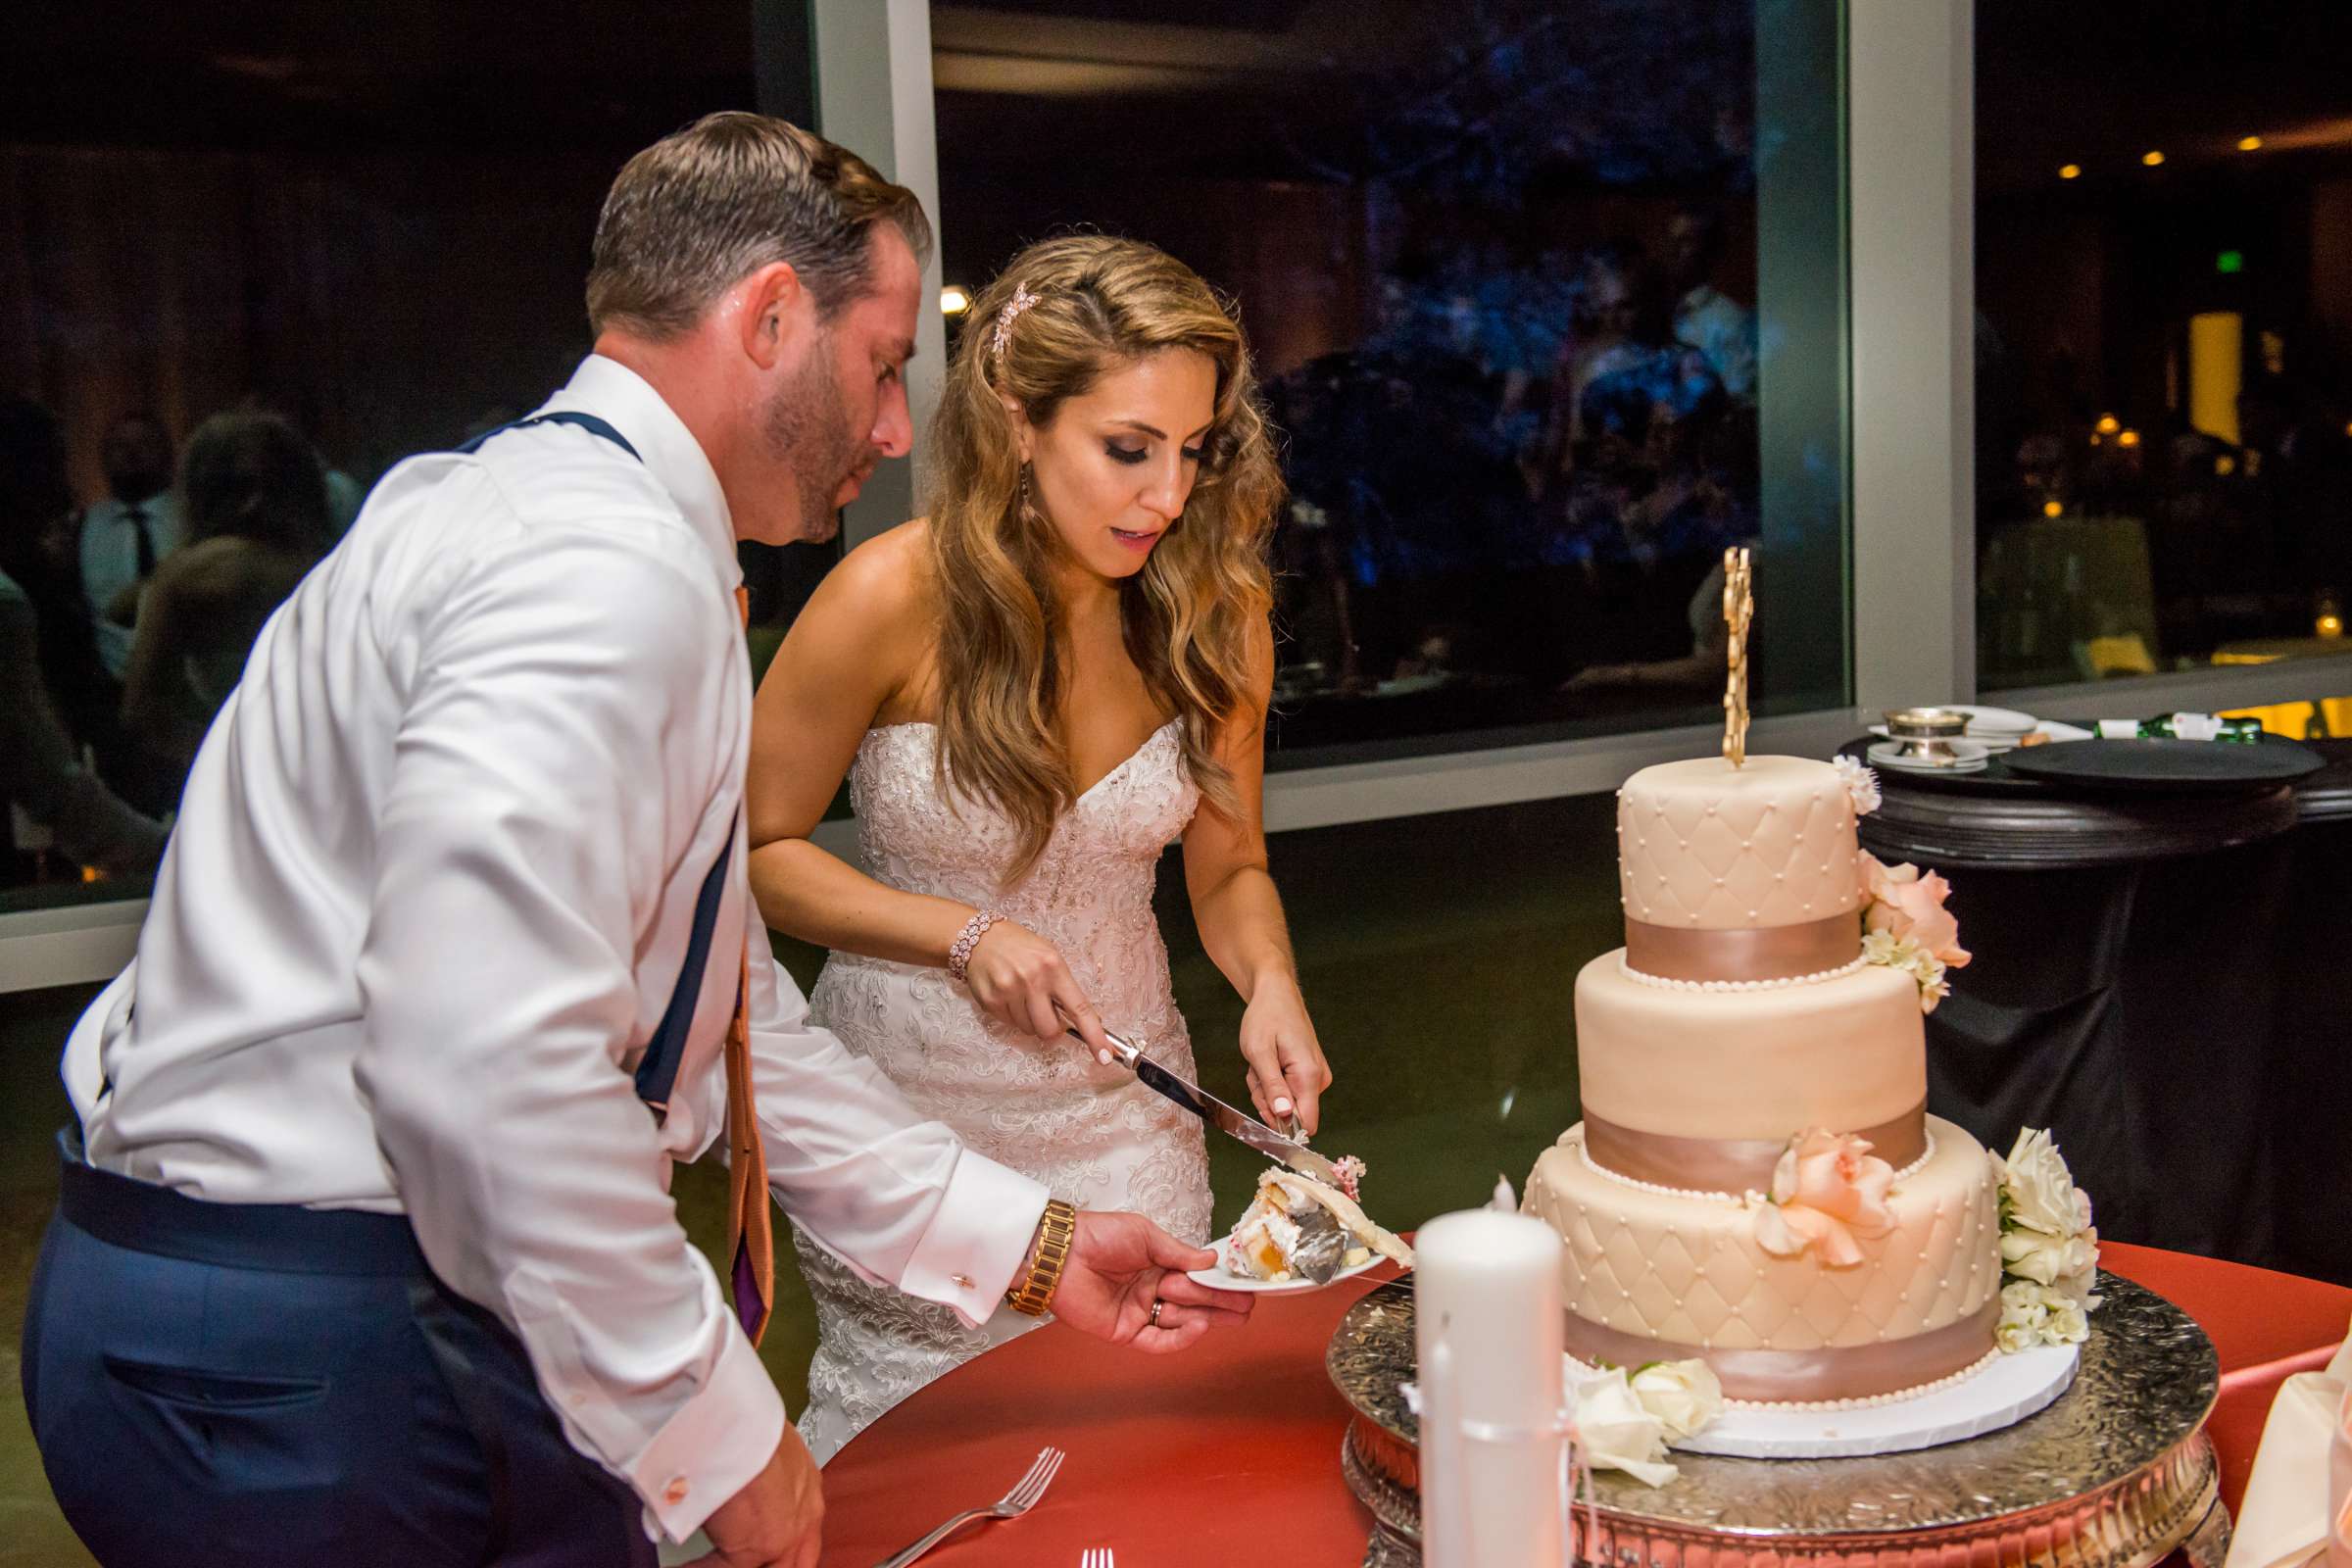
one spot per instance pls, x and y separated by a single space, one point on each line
2175 1016
2130 1009
2312 1136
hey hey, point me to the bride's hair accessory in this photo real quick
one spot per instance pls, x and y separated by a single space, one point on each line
959 957
1021 300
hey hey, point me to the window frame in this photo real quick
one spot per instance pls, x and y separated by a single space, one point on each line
1908 133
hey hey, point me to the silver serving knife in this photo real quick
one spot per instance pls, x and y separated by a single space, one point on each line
1214 1112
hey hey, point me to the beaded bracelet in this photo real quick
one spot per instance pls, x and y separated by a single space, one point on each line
959 957
1055 1230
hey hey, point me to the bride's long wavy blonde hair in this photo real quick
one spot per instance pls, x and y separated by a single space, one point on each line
1097 303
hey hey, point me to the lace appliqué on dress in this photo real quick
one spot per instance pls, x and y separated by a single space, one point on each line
1090 1133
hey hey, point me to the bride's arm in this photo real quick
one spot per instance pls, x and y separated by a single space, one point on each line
1239 915
848 654
855 649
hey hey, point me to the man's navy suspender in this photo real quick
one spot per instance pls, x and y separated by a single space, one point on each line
658 1069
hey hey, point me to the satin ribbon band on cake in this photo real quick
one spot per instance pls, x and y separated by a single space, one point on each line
1772 953
1731 1164
1803 1377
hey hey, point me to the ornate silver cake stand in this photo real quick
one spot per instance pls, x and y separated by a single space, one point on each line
2115 1474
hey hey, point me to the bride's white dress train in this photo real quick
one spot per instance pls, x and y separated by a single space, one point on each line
1090 1133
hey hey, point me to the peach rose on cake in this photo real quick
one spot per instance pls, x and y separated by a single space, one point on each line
1905 903
1828 1188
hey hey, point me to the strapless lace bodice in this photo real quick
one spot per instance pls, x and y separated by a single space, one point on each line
1090 891
1090 1133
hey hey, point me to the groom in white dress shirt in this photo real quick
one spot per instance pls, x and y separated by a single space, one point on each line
366 1252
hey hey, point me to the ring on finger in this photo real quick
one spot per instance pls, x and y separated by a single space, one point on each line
1156 1309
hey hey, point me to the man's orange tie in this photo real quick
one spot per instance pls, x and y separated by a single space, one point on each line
751 1233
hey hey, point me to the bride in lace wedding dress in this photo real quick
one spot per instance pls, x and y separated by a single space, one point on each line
1033 690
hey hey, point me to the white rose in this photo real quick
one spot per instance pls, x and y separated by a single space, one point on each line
1615 1432
2012 1338
2076 1289
2040 1190
1931 991
1684 1395
2024 1312
2066 1325
2031 1255
1861 784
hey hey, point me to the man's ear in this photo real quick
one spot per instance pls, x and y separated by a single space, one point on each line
770 308
1023 436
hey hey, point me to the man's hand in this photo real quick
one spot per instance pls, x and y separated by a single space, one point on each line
1121 1265
775 1521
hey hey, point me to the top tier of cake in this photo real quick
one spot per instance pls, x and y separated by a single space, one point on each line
1767 849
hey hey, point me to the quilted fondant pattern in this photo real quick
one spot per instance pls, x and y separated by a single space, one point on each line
1688 1271
1705 846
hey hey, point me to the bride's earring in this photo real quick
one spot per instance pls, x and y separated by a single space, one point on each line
1029 511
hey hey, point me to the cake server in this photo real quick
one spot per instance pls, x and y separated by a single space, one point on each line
1214 1112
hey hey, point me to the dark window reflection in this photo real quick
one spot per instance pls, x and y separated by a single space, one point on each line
1499 265
2164 373
252 257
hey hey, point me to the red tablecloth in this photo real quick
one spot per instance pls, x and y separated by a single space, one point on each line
1230 1453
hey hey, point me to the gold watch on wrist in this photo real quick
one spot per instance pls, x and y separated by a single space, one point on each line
1054 1232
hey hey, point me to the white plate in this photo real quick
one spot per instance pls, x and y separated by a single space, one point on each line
1223 1279
1972 755
1984 723
1999 729
1995 745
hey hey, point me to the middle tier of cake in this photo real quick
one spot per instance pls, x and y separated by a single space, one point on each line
1704 1089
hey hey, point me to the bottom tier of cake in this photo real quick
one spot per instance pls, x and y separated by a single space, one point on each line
1652 1274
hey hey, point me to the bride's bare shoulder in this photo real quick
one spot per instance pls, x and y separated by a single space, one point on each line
884 585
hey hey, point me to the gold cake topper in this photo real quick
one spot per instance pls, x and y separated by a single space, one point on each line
1738 609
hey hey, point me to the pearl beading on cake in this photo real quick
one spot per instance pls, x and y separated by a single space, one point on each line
1664 984
1861 1402
1866 1402
1735 1200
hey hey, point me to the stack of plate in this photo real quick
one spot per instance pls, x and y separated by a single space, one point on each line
1991 732
1997 729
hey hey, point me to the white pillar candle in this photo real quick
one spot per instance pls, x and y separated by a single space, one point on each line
1487 1331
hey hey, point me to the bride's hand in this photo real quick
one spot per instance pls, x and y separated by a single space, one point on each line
1287 1070
1121 1265
1019 977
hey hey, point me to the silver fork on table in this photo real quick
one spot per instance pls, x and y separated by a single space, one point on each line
1014 1503
1096 1557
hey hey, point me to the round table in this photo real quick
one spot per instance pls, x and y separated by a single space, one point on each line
1230 1453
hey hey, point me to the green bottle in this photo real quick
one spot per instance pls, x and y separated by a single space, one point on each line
2183 727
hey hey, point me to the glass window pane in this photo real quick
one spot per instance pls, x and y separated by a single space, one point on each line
371 219
1549 302
2163 371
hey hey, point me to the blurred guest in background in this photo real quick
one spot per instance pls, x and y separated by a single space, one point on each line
1705 318
258 518
127 536
41 770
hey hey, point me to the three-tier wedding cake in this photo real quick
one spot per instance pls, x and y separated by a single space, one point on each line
1757 1181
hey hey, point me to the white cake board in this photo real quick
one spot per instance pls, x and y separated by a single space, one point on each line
2001 1393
